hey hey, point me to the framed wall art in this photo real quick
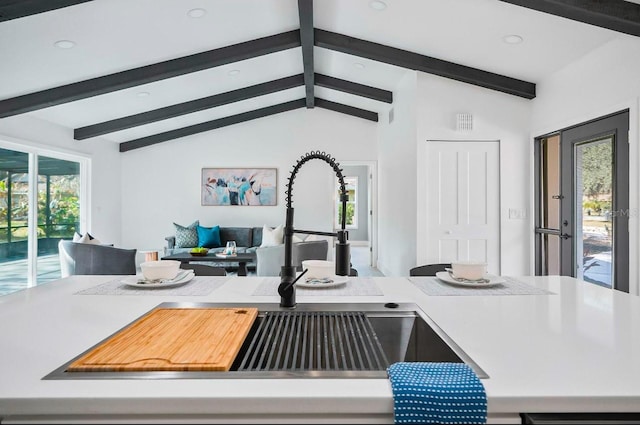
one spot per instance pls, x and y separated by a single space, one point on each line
239 186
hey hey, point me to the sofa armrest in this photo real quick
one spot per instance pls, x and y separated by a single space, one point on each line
269 260
312 250
171 242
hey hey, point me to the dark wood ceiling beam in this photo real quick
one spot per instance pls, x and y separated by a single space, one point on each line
617 15
14 9
346 109
354 88
187 107
211 125
305 12
245 116
418 62
149 73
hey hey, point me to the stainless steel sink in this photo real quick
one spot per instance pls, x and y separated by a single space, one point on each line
318 340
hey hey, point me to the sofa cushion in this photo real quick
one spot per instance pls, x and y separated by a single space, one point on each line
272 237
256 236
241 235
187 236
208 237
87 238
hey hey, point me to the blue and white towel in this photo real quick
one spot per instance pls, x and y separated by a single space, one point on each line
437 393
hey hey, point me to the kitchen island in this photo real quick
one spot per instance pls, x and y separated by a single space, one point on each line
575 350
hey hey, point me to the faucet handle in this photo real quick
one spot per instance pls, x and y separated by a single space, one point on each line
290 285
286 289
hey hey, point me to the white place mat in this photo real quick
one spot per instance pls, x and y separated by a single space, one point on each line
199 285
355 286
434 286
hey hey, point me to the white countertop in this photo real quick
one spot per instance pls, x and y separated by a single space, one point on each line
577 350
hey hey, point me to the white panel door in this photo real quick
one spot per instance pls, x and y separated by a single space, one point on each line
463 202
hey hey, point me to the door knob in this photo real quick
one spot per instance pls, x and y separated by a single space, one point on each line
448 232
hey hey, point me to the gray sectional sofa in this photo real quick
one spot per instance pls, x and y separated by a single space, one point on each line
247 239
268 260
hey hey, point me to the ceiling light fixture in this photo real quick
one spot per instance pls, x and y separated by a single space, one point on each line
358 65
197 13
512 39
64 44
377 5
233 72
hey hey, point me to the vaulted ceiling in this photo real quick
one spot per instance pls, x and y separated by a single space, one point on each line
141 72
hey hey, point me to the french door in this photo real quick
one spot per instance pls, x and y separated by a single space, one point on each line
582 210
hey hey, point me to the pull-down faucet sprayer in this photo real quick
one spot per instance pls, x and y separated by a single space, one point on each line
342 257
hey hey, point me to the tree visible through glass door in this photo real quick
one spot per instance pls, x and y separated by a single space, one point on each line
594 224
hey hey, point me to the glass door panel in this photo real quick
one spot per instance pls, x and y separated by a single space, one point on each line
58 211
14 215
550 258
548 211
594 226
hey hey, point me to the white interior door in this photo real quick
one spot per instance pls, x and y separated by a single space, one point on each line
463 202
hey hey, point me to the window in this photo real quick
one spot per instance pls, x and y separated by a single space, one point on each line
351 184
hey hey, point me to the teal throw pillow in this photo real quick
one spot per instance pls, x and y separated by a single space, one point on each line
209 237
187 236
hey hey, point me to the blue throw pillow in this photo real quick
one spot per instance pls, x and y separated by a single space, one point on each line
209 237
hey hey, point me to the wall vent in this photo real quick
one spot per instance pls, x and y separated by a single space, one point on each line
464 122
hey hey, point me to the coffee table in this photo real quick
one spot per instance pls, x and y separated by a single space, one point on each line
241 259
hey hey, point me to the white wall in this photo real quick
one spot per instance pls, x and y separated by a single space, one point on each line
397 182
161 183
105 216
496 116
600 83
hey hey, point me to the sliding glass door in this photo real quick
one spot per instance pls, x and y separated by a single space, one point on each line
14 220
582 211
40 203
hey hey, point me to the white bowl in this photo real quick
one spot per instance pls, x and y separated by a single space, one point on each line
163 269
473 270
319 269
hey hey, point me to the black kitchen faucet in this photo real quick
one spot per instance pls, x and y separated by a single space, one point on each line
286 289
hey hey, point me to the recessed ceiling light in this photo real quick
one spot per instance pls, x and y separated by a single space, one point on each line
512 39
197 13
143 94
358 65
377 5
64 44
233 72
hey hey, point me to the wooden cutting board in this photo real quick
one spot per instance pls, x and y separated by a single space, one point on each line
173 339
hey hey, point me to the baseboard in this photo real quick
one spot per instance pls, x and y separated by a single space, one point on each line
383 269
359 243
